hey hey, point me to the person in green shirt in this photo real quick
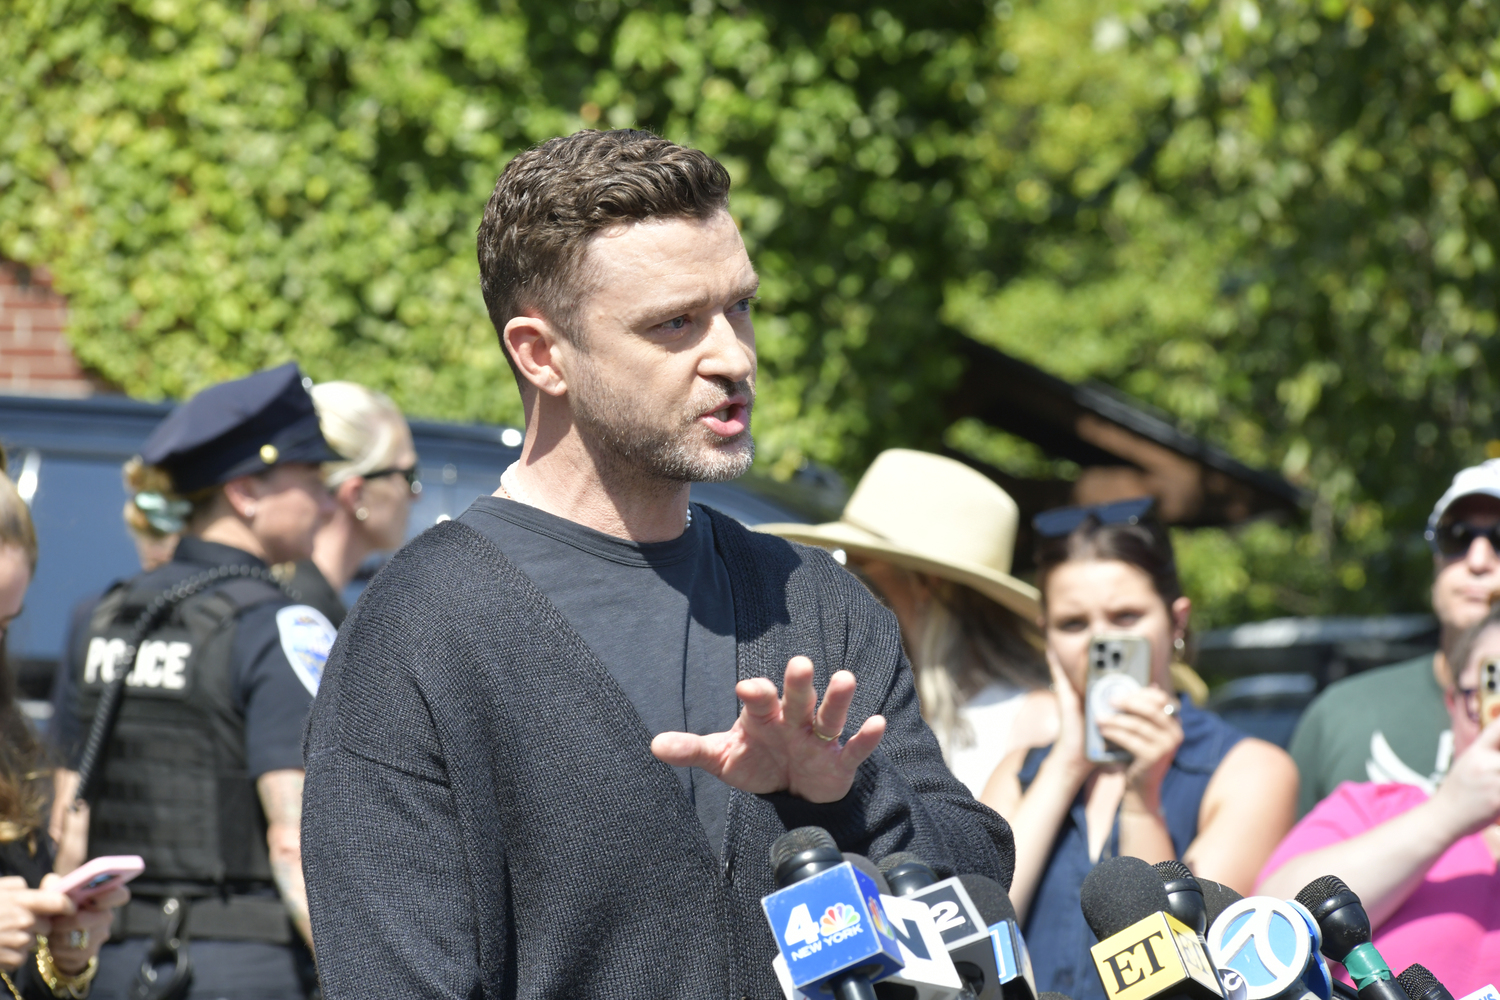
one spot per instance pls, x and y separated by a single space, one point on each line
1391 724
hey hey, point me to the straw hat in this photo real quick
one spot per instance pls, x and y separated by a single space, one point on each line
933 515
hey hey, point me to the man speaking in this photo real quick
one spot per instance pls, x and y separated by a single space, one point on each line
558 735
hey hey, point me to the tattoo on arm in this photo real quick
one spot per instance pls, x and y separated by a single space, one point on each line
281 798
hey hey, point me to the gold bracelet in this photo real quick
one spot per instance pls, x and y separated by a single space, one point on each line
75 987
10 985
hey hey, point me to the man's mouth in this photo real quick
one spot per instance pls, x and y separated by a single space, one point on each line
730 419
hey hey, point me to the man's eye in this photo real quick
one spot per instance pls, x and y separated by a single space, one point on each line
676 324
743 305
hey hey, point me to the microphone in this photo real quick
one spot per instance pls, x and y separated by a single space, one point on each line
970 913
848 946
1345 928
1013 972
906 873
1186 902
1216 898
929 973
1184 895
1273 944
1420 984
1143 951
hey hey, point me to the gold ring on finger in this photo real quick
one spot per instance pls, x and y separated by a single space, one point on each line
825 739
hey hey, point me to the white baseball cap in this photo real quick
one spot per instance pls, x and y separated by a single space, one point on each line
1477 480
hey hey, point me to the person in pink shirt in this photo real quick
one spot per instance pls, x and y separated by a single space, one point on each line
1424 866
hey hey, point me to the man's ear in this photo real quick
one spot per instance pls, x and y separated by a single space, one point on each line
533 345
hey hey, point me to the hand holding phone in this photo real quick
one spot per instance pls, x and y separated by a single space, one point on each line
99 876
1118 664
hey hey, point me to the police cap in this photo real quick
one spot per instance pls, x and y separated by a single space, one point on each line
239 428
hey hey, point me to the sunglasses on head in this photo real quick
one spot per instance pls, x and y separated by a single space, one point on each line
1453 539
409 474
1064 521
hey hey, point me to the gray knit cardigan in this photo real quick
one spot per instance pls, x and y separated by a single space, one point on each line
483 816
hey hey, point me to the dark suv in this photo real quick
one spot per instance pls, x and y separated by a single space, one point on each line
65 455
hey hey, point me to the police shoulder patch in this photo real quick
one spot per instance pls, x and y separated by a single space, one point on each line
306 638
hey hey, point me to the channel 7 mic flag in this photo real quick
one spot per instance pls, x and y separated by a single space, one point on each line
832 924
1157 955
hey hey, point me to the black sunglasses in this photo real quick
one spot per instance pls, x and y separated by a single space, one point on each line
1064 521
1453 540
409 474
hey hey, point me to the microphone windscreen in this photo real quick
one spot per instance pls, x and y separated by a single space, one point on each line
992 901
1420 984
795 842
1173 871
1217 898
867 866
1118 892
899 858
1320 890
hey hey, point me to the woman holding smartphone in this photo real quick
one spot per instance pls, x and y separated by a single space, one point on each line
1192 788
34 915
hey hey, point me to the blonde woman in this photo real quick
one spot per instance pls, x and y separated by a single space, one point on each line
374 487
33 917
933 539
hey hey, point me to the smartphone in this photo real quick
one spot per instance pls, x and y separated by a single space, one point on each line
100 875
1118 664
1489 692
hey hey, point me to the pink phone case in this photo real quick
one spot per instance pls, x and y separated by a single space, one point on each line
100 875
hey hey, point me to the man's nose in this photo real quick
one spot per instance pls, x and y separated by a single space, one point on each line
725 353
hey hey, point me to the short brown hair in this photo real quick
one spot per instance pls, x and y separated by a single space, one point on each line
551 199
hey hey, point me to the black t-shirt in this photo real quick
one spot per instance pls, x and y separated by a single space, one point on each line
659 616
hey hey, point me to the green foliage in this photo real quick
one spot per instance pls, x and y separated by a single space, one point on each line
1274 222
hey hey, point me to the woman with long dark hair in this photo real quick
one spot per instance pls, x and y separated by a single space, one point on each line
34 917
1194 789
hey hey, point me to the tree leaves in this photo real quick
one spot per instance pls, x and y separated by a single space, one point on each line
1275 221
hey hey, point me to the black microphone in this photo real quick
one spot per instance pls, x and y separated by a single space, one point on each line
1217 898
1012 961
1346 937
906 873
1184 895
1186 902
1143 951
963 910
798 855
1420 984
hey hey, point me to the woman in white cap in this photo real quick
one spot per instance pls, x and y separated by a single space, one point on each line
933 539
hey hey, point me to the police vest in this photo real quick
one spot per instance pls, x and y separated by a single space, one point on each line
174 786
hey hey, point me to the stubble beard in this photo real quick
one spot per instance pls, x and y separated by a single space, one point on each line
628 436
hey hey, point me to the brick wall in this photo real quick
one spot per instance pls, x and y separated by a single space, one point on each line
35 359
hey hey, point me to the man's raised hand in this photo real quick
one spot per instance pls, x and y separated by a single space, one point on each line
786 744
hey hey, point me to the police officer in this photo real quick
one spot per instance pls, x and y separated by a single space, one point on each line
199 768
